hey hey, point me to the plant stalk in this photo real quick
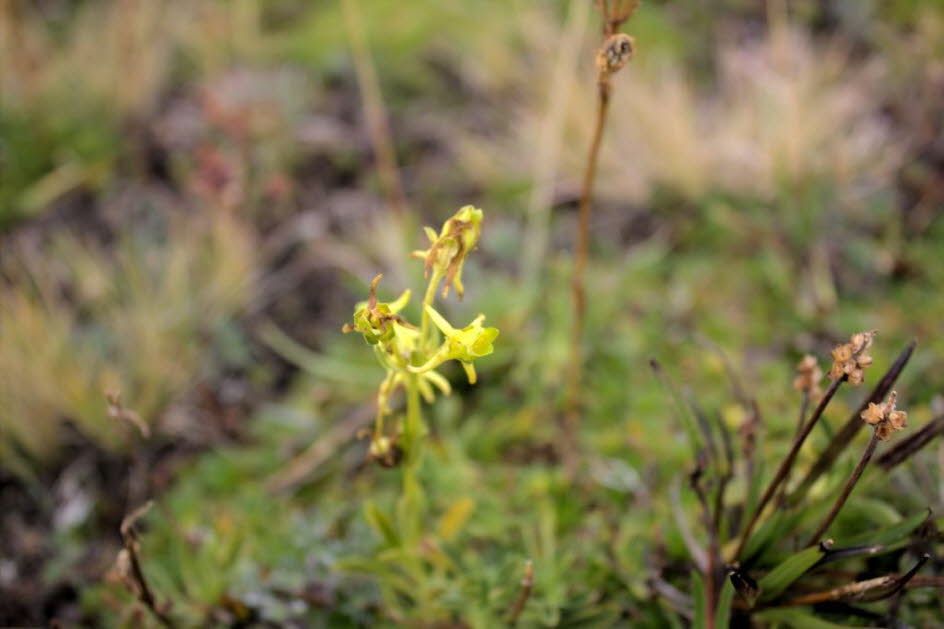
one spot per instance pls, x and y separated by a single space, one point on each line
526 584
428 301
841 500
578 290
787 464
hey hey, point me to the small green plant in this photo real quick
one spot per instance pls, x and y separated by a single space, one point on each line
411 355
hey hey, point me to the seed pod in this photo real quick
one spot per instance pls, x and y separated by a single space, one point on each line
616 50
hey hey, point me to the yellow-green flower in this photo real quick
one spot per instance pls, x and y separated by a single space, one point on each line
465 345
448 249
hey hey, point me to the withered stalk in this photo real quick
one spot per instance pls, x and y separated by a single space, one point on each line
614 14
145 594
785 466
846 490
527 583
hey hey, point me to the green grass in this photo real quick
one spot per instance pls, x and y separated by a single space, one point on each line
765 271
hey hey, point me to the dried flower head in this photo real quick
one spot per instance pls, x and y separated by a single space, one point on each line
885 417
850 359
616 50
808 376
375 320
448 249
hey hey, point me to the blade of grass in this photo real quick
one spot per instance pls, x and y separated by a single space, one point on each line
792 568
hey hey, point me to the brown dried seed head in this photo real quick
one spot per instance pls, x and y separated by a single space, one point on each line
873 414
885 417
883 431
850 359
898 419
842 353
855 377
616 50
808 376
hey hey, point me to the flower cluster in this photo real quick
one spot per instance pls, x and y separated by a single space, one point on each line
411 354
850 359
808 377
885 417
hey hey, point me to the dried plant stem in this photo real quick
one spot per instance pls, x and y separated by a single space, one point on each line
378 124
578 291
804 408
871 589
527 583
145 595
846 490
787 464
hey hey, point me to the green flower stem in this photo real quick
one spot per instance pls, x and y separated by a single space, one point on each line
428 301
383 395
434 361
413 427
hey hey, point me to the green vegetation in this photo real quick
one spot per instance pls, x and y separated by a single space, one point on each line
191 204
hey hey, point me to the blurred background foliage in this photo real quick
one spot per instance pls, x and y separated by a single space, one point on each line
190 207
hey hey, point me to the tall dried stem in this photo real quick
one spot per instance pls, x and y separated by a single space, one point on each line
613 53
786 465
846 490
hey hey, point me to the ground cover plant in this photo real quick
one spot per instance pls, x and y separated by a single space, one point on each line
710 236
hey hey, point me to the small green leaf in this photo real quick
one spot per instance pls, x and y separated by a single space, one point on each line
788 571
381 524
723 611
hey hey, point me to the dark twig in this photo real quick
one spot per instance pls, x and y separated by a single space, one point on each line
143 590
906 448
852 426
787 463
867 591
804 408
526 584
846 490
